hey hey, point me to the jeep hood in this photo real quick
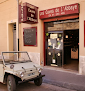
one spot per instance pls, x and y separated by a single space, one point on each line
20 66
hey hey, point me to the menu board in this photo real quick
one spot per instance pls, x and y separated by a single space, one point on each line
30 36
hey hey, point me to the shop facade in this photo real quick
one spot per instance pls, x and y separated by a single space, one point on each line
57 36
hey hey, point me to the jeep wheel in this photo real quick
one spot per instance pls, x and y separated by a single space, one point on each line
11 85
38 81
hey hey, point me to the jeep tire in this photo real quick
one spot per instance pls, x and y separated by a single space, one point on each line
11 84
38 81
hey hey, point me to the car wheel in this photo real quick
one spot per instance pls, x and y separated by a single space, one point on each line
11 84
38 81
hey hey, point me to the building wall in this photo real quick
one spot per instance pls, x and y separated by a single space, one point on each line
81 38
47 4
9 12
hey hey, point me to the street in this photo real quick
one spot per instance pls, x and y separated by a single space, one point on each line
32 87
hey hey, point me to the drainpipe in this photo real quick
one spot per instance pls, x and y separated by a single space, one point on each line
18 21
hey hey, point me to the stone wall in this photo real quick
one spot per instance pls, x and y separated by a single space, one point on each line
82 65
35 57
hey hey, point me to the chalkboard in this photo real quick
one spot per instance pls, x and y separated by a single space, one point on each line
30 36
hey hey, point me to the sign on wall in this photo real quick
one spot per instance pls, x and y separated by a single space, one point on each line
30 36
28 13
58 11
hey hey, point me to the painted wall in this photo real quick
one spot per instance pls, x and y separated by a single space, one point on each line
8 11
47 4
81 38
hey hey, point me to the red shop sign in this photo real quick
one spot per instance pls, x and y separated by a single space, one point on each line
58 11
28 13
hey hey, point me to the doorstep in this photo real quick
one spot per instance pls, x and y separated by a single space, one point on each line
56 68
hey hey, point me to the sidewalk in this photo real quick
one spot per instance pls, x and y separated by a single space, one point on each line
63 78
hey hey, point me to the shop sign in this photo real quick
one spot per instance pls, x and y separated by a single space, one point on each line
30 36
28 13
58 11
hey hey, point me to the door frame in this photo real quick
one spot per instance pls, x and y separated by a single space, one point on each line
55 19
8 43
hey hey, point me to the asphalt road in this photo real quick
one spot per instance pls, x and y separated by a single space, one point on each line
32 87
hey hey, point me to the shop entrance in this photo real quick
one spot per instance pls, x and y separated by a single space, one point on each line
62 44
71 49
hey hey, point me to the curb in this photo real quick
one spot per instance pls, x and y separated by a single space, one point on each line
65 85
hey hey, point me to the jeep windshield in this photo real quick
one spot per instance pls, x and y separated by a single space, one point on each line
15 57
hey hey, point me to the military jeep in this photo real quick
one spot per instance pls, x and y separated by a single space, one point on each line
17 67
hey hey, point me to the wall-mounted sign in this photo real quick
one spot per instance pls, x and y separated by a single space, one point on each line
30 36
28 13
58 11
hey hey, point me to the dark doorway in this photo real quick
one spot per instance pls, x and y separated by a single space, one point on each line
71 49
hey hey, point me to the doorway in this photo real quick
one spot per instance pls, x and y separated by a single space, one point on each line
71 49
62 44
12 37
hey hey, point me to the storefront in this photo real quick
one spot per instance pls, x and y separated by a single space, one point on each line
61 36
52 32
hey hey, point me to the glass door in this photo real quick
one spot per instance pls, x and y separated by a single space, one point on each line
54 48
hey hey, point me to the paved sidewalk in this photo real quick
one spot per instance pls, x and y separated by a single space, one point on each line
63 78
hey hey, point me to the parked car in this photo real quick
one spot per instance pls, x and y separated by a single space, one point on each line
17 67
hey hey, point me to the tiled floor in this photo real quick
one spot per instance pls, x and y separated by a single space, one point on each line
73 65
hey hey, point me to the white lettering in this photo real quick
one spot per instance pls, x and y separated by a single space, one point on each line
57 14
22 16
75 6
31 19
31 6
21 19
52 14
49 15
22 4
32 15
41 13
61 9
21 12
62 13
32 11
57 10
70 8
28 9
49 11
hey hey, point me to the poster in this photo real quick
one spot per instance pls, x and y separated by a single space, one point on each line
53 36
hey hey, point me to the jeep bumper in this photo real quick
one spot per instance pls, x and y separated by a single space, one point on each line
40 76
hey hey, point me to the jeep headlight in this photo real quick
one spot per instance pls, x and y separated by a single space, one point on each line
21 74
39 70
